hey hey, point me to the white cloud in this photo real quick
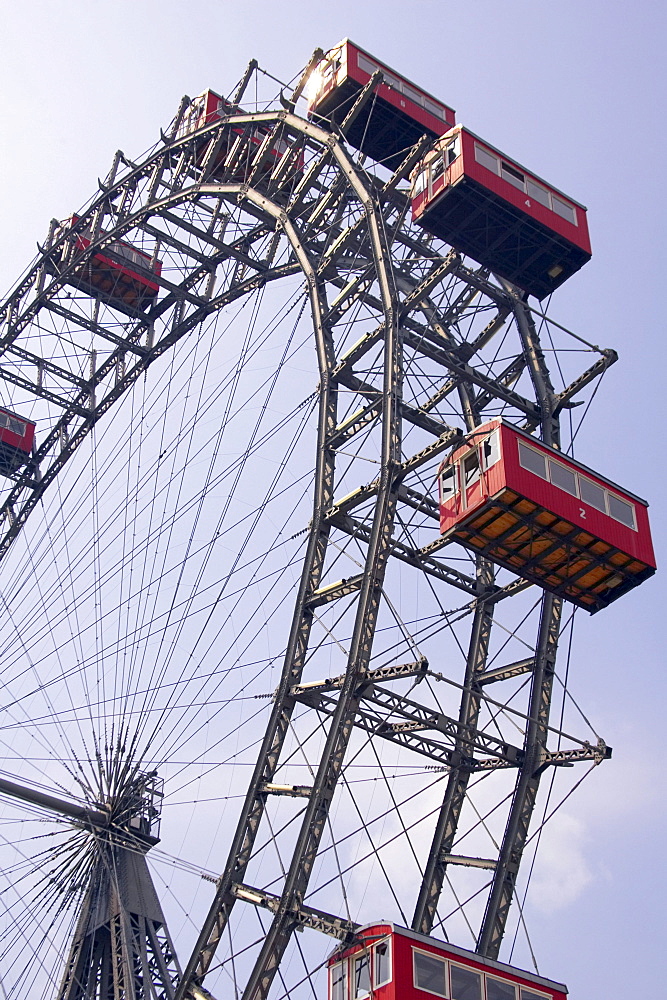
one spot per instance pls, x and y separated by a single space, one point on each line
562 870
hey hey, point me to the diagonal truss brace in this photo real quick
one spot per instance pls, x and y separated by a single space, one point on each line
367 606
414 719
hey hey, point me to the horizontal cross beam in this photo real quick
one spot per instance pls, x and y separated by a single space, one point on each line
304 916
505 672
390 673
84 814
414 719
414 557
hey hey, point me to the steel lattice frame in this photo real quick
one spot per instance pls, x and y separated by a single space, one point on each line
230 225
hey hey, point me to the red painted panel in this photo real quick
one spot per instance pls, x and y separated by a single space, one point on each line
214 108
476 171
392 96
491 481
404 942
466 166
419 204
350 69
135 275
21 441
573 509
83 241
509 472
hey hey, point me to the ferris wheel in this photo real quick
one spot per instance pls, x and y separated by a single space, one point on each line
292 532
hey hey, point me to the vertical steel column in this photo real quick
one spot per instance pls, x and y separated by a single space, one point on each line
269 755
525 793
539 372
457 783
116 953
342 724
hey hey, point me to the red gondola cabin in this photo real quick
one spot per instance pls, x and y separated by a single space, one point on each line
490 207
16 439
209 108
121 275
389 962
206 109
550 519
395 118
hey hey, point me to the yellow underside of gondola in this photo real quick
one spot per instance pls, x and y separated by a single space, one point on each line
530 540
113 284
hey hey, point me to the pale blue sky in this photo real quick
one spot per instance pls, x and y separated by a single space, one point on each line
576 91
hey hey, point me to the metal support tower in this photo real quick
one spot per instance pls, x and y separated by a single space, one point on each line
121 949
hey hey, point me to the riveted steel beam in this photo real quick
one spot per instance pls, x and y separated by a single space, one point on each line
416 668
415 731
303 916
466 373
367 609
362 100
449 815
334 591
508 670
468 862
415 557
269 756
599 368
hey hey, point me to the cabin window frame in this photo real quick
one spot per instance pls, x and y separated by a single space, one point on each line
410 91
525 990
437 168
579 477
437 958
330 70
589 482
391 81
512 175
499 979
358 960
553 463
451 472
535 451
466 483
451 150
437 110
377 983
492 156
558 199
343 965
493 439
531 182
6 421
466 968
611 495
421 181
